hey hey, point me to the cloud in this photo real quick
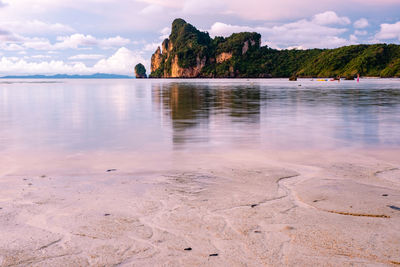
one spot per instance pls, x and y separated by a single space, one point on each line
7 36
151 47
223 29
41 56
77 40
330 17
21 66
2 4
12 42
121 62
165 33
11 47
36 43
113 42
34 27
361 23
389 31
301 33
86 57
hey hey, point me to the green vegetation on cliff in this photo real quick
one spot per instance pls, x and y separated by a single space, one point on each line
191 53
188 43
379 60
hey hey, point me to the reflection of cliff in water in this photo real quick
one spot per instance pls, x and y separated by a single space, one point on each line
193 107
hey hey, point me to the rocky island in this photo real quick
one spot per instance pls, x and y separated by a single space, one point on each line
190 53
140 71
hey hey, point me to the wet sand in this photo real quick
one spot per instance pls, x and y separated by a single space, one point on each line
230 208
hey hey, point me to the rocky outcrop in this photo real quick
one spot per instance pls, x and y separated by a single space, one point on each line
223 57
179 72
156 60
245 47
140 71
165 46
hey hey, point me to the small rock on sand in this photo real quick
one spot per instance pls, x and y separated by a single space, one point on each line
394 207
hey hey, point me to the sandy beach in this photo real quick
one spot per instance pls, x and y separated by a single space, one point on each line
213 208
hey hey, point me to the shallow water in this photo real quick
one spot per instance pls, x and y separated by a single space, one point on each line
168 115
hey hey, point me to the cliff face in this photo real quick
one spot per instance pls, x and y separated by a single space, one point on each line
190 53
156 60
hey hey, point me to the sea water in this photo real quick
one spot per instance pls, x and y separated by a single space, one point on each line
155 115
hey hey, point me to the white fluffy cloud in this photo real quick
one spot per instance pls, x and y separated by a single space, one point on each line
33 27
151 47
165 33
389 31
302 33
36 43
223 29
121 62
10 66
330 17
86 57
13 42
361 23
80 40
75 41
41 56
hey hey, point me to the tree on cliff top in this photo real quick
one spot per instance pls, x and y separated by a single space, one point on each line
140 71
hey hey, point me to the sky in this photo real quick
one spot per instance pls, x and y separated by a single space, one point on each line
110 36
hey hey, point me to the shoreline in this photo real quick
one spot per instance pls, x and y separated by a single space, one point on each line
255 207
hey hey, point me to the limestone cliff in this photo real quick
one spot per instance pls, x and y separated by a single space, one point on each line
190 53
156 60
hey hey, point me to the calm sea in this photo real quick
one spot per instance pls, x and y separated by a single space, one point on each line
167 115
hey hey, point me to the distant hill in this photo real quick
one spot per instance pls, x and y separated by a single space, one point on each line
66 76
190 53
